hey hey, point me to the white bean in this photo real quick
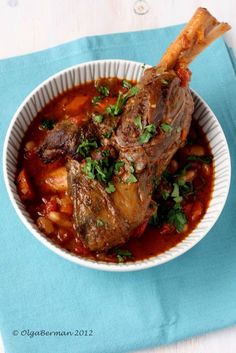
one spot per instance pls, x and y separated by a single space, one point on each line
60 219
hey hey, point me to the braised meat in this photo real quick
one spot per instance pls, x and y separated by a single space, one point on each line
64 139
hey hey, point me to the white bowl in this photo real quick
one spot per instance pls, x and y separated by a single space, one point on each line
74 76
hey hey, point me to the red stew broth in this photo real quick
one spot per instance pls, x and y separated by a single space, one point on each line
155 240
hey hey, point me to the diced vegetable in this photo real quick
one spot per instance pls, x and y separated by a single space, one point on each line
24 187
45 225
66 205
56 180
184 134
195 150
77 103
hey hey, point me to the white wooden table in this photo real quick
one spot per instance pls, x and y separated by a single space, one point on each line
31 25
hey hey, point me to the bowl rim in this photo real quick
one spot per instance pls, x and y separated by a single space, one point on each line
102 265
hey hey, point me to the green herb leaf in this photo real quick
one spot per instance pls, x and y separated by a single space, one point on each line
120 258
149 132
105 153
166 127
178 199
126 84
88 168
132 92
85 147
165 194
98 118
96 99
100 223
177 218
138 122
122 254
117 108
118 165
175 191
108 134
203 159
154 220
47 124
103 90
131 179
182 171
110 188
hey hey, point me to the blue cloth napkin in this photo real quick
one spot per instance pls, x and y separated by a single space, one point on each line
39 290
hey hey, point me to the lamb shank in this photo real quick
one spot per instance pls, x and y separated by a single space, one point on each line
147 126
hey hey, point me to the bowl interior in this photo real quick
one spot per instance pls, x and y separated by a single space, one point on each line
82 73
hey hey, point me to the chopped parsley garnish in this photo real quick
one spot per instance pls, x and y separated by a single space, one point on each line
85 147
132 178
138 122
105 153
177 218
165 194
100 223
122 254
117 108
118 165
110 188
98 118
203 159
101 170
166 127
154 220
96 99
175 193
47 124
103 90
149 132
108 134
126 84
182 171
